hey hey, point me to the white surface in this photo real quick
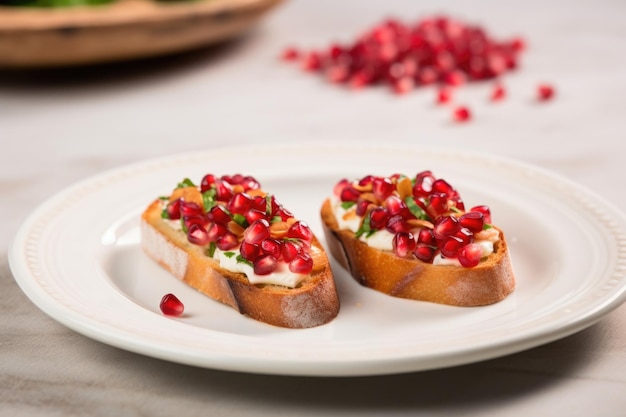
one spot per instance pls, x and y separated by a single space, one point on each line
59 127
78 257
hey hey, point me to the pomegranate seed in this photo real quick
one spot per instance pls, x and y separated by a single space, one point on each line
397 224
378 218
312 61
545 92
171 306
403 85
469 256
249 251
403 244
290 250
257 232
395 206
445 227
219 214
337 73
472 220
362 206
227 241
215 231
301 264
461 114
340 186
486 212
259 203
173 209
382 188
423 184
239 203
454 78
450 246
208 181
444 95
189 208
424 252
518 44
442 186
426 236
427 76
271 246
197 235
264 265
224 190
253 215
498 93
196 219
437 204
290 54
349 193
300 230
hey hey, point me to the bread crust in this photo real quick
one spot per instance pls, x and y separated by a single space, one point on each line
312 303
489 282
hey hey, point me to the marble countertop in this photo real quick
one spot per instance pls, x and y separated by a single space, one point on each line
60 126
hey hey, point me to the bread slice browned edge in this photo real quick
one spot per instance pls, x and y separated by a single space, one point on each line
312 303
489 282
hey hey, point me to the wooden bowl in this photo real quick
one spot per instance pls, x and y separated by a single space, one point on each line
126 29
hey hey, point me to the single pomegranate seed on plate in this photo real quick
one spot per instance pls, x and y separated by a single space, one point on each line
470 255
197 235
301 264
312 61
257 232
265 264
171 306
545 92
403 244
461 114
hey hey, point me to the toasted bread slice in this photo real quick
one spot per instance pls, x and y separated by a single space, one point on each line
407 277
312 302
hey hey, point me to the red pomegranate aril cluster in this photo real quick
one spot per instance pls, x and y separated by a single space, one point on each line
426 216
265 232
406 55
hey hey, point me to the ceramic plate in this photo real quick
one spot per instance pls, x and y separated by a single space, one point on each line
78 258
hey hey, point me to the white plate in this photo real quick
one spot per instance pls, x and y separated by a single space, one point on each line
78 259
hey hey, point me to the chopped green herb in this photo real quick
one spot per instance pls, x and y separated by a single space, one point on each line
456 209
347 204
165 214
242 260
211 249
240 219
268 205
365 228
185 183
183 225
164 198
208 199
416 210
276 219
487 226
229 254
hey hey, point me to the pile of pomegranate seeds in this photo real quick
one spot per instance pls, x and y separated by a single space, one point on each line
435 50
426 216
438 50
171 306
233 213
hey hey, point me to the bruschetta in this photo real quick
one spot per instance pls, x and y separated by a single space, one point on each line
412 237
234 242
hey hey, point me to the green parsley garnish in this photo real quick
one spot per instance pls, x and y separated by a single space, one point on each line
242 260
347 204
416 210
240 219
365 229
208 199
229 254
185 183
211 249
165 214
